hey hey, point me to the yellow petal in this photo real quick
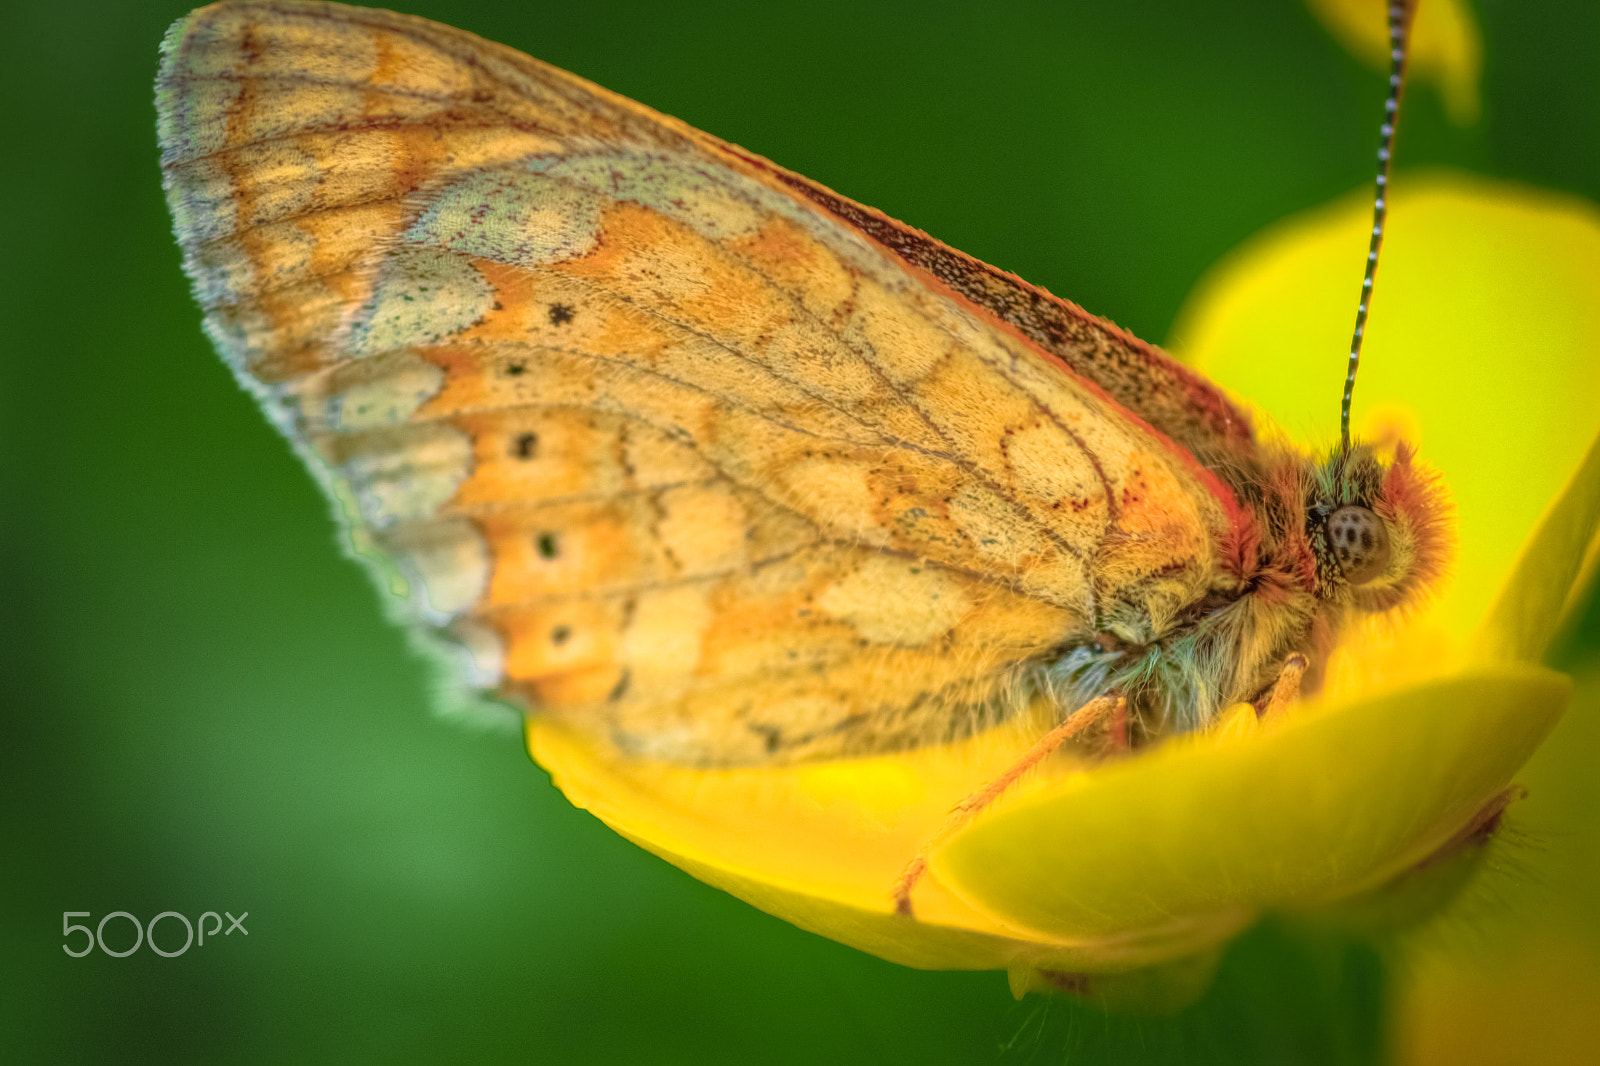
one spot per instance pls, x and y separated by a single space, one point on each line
1545 585
1446 45
1480 350
1333 803
820 846
1153 859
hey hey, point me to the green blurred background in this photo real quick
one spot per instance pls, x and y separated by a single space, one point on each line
204 709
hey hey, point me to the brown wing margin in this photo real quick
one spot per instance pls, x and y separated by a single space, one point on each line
1173 399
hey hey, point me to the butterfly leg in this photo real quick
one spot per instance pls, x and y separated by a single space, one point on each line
1285 690
1119 727
1089 714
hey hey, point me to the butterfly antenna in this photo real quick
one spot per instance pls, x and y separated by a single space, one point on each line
1399 25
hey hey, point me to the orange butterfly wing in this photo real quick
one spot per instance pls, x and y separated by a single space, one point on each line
680 446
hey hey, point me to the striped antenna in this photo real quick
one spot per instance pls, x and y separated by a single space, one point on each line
1399 18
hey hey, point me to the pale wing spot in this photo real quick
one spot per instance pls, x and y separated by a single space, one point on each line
892 601
448 563
511 216
341 239
292 106
393 485
483 653
358 167
850 507
991 527
662 645
1046 577
663 183
422 297
655 458
901 342
388 400
283 180
773 531
994 533
1050 470
702 527
960 394
723 204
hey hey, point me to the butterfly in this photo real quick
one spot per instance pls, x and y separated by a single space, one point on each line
701 458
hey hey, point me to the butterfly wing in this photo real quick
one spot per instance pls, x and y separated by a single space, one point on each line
679 445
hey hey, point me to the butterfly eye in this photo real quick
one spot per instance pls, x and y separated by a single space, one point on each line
1360 543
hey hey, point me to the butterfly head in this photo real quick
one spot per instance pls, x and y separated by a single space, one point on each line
1378 528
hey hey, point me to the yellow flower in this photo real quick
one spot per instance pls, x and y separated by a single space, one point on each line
1483 339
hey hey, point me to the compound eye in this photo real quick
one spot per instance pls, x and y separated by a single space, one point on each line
1360 543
